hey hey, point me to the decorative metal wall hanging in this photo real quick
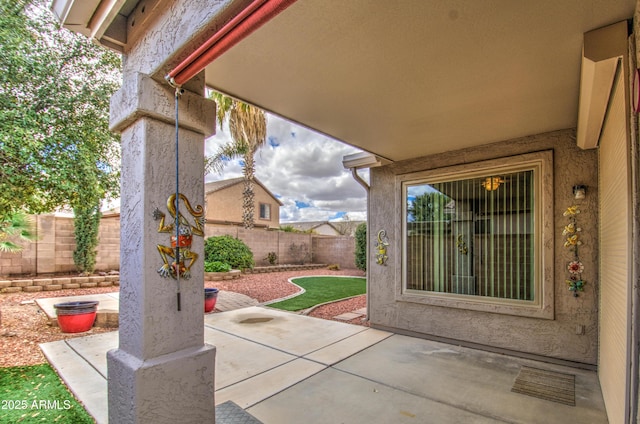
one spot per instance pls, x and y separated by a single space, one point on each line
180 249
461 244
181 239
381 248
575 267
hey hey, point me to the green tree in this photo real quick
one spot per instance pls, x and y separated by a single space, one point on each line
15 225
361 246
55 146
54 113
428 207
86 224
248 127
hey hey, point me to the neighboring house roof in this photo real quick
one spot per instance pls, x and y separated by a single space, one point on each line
304 226
312 225
222 184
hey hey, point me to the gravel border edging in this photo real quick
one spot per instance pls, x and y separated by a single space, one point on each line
31 285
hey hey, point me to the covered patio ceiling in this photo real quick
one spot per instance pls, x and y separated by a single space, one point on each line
404 79
409 78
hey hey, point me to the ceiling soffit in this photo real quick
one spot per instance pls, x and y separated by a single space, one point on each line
403 80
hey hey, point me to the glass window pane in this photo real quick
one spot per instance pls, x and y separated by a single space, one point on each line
472 236
265 211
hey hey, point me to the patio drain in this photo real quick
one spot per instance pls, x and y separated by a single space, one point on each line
230 413
255 320
547 385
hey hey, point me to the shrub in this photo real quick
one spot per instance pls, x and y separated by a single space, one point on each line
216 266
272 258
86 224
334 267
228 250
361 246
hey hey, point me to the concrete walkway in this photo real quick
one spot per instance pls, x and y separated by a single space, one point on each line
287 368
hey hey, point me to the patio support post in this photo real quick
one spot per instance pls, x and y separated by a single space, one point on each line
162 371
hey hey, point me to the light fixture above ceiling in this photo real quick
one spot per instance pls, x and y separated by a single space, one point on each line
492 183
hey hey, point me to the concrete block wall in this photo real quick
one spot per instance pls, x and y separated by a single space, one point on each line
53 251
285 242
57 283
261 242
108 257
63 245
45 244
18 263
335 250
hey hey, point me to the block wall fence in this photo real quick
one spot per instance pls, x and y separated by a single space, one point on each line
52 253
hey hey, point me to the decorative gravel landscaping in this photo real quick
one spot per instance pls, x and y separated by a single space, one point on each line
23 326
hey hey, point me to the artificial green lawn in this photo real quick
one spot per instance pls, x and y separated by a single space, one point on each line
35 394
321 290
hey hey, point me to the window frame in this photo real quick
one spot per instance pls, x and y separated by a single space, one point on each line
543 304
267 208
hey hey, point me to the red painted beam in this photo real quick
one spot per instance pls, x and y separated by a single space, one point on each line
242 25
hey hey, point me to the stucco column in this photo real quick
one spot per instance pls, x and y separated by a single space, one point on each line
162 371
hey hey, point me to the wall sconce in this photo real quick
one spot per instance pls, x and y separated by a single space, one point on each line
492 183
579 191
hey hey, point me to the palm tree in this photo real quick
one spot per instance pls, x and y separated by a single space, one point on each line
15 224
248 127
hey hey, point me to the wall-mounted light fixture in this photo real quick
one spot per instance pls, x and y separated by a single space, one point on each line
492 183
579 191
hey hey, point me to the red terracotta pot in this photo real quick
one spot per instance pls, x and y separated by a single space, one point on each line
210 298
76 317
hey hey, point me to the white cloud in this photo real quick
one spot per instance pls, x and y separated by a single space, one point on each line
304 169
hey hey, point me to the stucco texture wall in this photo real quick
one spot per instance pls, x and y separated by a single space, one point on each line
225 206
572 334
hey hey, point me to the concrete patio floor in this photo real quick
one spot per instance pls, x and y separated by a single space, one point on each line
286 368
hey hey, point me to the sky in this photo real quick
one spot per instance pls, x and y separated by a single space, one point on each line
303 169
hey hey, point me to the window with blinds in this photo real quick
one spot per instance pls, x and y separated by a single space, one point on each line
265 211
472 234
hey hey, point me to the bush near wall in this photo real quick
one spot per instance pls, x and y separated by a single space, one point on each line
228 250
361 247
